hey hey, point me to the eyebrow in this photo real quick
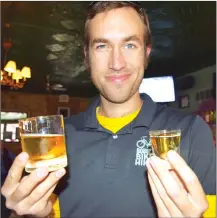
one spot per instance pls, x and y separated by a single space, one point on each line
132 38
126 39
100 40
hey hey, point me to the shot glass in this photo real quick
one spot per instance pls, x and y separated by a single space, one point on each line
165 140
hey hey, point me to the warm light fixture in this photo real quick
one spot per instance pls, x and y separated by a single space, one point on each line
11 67
16 76
26 73
13 77
10 75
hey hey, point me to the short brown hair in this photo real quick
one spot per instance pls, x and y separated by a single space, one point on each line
104 6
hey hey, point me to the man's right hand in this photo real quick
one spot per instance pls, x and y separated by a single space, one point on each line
30 195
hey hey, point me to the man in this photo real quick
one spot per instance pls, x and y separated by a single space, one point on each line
107 145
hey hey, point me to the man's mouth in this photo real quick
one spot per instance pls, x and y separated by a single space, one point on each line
118 78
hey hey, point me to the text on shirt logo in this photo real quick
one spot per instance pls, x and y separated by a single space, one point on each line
143 151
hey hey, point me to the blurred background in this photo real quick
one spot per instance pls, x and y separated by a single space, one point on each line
42 68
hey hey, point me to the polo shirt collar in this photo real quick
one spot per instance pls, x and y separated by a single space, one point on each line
147 112
90 120
144 118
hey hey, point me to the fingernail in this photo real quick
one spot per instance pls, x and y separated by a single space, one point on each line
41 172
171 154
154 160
23 156
60 173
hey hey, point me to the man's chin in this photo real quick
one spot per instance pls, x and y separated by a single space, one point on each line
116 98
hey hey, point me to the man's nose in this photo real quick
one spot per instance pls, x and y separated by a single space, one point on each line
117 61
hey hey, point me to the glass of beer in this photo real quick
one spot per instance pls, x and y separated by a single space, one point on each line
165 140
43 139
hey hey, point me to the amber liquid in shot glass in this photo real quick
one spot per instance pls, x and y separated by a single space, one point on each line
165 140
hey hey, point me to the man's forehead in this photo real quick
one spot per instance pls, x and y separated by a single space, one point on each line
118 23
118 13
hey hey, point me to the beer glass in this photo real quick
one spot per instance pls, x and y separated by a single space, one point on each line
165 140
43 139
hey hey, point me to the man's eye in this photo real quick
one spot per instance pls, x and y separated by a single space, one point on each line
130 46
100 47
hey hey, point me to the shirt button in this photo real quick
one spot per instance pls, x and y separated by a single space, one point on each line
115 136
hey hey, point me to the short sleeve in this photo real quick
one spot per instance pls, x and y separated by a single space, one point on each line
56 207
202 155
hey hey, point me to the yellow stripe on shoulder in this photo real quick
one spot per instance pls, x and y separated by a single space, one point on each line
211 211
56 206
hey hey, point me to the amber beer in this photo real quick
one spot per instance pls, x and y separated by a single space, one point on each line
44 150
43 139
165 140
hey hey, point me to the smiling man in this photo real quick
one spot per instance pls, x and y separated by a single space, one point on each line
110 173
117 56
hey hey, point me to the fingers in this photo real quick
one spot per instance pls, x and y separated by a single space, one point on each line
171 207
28 184
174 190
179 181
36 201
45 209
44 188
15 173
23 179
188 176
44 205
163 212
41 209
30 194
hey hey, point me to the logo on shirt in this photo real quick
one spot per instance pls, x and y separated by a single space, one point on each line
143 151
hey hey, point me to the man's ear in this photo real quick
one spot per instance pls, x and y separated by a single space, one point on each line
86 58
147 56
85 52
148 51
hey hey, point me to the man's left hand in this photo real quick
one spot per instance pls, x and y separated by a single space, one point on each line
177 192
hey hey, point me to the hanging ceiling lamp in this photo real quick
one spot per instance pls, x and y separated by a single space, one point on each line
10 75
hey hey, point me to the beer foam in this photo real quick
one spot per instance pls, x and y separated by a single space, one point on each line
40 135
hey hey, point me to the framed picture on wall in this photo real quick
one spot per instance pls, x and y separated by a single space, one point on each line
65 111
184 101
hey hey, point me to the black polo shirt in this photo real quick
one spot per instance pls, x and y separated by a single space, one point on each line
106 173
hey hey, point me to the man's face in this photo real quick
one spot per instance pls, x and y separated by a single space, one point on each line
117 54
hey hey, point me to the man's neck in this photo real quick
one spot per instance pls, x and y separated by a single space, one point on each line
113 110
